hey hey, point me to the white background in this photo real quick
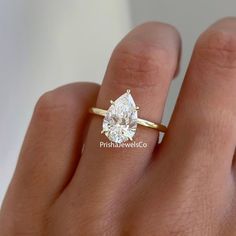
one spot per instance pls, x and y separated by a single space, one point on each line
47 43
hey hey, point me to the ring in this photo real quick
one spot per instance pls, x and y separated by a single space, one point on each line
121 119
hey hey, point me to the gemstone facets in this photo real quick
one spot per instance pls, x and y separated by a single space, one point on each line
120 121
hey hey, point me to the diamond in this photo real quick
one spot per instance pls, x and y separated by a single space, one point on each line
120 121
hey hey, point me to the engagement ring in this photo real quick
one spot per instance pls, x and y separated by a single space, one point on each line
121 119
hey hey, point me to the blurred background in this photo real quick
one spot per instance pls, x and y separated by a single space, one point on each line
47 43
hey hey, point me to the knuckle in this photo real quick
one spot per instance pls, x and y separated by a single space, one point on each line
54 104
217 48
217 125
168 225
138 64
220 125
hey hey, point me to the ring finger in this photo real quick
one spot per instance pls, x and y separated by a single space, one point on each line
145 62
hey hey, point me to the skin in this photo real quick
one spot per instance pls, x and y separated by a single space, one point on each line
183 186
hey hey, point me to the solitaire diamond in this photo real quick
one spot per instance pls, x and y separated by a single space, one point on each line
120 121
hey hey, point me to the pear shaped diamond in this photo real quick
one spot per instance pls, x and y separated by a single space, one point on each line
120 121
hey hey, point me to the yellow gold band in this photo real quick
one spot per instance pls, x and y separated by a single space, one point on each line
146 123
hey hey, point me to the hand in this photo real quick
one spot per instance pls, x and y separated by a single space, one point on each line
183 186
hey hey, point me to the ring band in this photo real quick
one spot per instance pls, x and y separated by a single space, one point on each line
121 119
146 123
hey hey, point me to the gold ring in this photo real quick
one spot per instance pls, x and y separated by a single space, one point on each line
121 119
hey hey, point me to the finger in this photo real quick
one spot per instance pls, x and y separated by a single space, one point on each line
192 170
202 132
52 146
145 61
